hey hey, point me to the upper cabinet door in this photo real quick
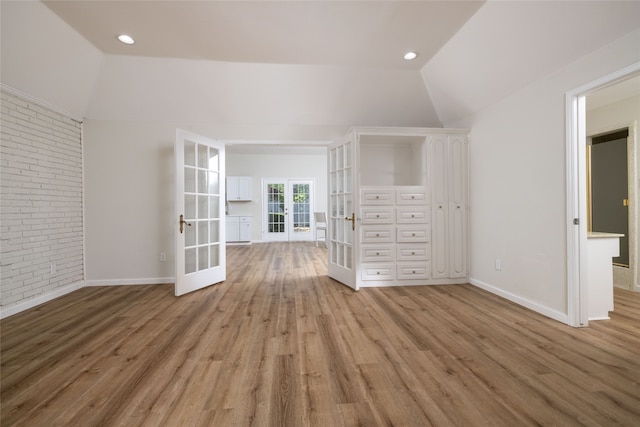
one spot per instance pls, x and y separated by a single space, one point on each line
238 188
439 151
458 170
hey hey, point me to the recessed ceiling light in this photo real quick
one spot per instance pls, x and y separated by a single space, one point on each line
126 39
410 55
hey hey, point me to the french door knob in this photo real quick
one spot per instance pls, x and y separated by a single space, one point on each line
182 223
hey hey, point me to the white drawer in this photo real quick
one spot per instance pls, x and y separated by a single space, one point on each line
414 271
417 196
378 215
378 253
376 197
411 233
378 271
414 215
413 252
377 234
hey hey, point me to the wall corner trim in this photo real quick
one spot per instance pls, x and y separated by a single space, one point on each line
30 98
540 309
128 282
40 299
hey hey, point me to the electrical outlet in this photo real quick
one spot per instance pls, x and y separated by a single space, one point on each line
498 264
163 257
53 268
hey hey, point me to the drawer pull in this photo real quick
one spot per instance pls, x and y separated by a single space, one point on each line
414 272
413 253
413 197
377 272
377 234
377 197
413 234
378 216
377 253
413 216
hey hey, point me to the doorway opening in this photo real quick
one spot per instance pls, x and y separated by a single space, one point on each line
608 188
287 210
577 224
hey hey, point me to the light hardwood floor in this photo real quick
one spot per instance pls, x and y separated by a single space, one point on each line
281 344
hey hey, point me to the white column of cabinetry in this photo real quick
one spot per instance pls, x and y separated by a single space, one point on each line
458 193
439 206
448 178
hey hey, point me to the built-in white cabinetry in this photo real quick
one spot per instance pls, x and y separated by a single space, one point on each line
395 235
448 166
238 228
238 188
410 187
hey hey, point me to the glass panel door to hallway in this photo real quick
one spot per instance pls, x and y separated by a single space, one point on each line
288 207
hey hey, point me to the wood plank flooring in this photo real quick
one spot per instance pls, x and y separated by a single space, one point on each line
280 344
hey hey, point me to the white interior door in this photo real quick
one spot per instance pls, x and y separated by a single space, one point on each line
342 208
200 220
288 207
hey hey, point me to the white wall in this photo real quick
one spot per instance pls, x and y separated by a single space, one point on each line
45 58
517 183
129 188
259 166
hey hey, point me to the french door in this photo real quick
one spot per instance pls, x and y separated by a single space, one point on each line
200 220
288 209
342 209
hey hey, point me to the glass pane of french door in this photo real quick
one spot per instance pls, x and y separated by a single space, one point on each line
300 199
276 210
202 200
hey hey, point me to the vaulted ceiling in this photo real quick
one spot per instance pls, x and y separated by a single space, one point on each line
294 70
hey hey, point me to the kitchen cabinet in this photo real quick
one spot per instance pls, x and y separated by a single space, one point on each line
238 228
239 188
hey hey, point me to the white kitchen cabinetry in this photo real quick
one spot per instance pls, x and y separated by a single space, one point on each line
410 207
238 188
238 229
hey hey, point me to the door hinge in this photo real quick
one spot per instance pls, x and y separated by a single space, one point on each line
576 221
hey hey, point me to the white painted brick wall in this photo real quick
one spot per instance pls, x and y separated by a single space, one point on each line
40 201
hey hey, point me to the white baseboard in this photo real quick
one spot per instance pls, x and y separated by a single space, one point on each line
40 299
545 311
126 282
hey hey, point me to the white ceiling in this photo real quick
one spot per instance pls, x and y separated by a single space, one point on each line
294 70
353 33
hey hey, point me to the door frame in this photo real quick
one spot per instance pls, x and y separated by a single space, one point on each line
576 220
